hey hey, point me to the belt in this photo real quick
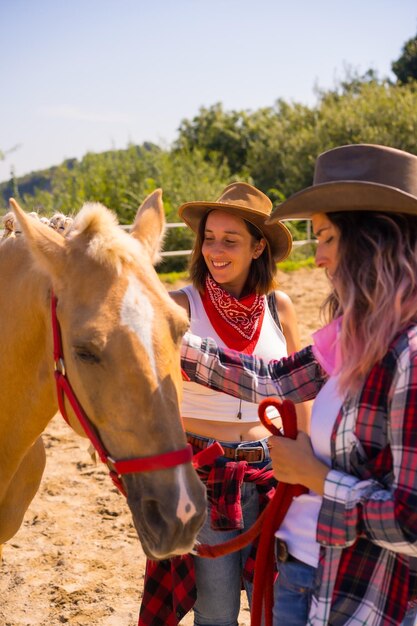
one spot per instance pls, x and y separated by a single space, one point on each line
281 552
234 451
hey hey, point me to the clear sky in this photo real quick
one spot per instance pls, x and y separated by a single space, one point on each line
92 75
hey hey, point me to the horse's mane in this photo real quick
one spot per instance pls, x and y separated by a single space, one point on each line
107 242
95 227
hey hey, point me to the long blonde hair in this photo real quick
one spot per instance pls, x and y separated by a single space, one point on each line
376 281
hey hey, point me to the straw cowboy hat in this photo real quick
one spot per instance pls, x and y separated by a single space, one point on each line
358 177
247 202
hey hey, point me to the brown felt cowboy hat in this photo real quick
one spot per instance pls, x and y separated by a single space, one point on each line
357 177
247 202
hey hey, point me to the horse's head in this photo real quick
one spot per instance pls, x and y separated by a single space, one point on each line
121 335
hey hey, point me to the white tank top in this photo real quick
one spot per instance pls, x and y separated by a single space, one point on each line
203 403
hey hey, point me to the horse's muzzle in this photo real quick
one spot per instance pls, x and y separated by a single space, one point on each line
168 509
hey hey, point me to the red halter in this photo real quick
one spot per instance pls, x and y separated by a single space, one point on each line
116 467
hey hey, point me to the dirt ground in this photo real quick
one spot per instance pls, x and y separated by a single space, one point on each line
76 559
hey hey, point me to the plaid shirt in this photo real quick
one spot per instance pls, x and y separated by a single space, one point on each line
367 525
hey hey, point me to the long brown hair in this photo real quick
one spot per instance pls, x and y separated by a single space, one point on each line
376 287
262 275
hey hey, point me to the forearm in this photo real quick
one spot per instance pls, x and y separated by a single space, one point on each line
365 508
297 377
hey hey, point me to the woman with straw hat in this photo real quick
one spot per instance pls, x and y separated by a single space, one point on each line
347 550
233 268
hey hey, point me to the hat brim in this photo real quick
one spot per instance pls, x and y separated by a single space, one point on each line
277 235
347 195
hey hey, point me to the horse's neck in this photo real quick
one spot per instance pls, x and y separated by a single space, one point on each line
27 398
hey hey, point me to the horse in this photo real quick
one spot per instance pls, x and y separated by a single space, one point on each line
120 335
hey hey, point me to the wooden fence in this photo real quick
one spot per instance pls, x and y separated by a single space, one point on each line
171 253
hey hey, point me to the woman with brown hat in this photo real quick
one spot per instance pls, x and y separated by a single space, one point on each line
347 549
233 268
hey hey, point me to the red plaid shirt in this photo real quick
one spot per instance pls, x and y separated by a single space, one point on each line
169 587
367 525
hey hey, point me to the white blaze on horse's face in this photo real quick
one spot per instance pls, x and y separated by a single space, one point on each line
138 315
185 509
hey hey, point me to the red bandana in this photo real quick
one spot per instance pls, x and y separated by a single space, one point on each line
237 322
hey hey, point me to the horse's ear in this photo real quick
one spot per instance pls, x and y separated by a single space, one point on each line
149 224
45 244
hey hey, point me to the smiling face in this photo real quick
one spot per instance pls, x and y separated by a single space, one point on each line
228 250
328 236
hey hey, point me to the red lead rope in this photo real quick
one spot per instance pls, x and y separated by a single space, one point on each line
116 467
268 522
263 583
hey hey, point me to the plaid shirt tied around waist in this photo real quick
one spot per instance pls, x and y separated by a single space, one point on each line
169 586
367 525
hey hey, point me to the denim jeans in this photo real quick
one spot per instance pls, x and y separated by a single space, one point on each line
293 592
219 580
411 618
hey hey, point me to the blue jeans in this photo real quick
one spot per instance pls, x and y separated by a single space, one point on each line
293 592
219 580
411 618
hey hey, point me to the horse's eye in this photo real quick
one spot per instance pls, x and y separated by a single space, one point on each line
86 356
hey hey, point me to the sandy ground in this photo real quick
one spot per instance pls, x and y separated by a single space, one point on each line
76 559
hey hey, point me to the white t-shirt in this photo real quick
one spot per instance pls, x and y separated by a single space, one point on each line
299 527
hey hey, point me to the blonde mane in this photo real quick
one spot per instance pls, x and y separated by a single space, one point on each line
108 243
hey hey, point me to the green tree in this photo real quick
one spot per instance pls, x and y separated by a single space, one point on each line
184 176
282 151
405 67
273 148
290 136
224 135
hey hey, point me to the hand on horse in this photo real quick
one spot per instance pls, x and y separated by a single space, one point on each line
294 462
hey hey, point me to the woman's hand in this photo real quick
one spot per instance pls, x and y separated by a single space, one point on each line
294 462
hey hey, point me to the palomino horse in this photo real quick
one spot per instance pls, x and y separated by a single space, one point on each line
121 335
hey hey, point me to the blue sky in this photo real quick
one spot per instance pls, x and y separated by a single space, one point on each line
92 75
